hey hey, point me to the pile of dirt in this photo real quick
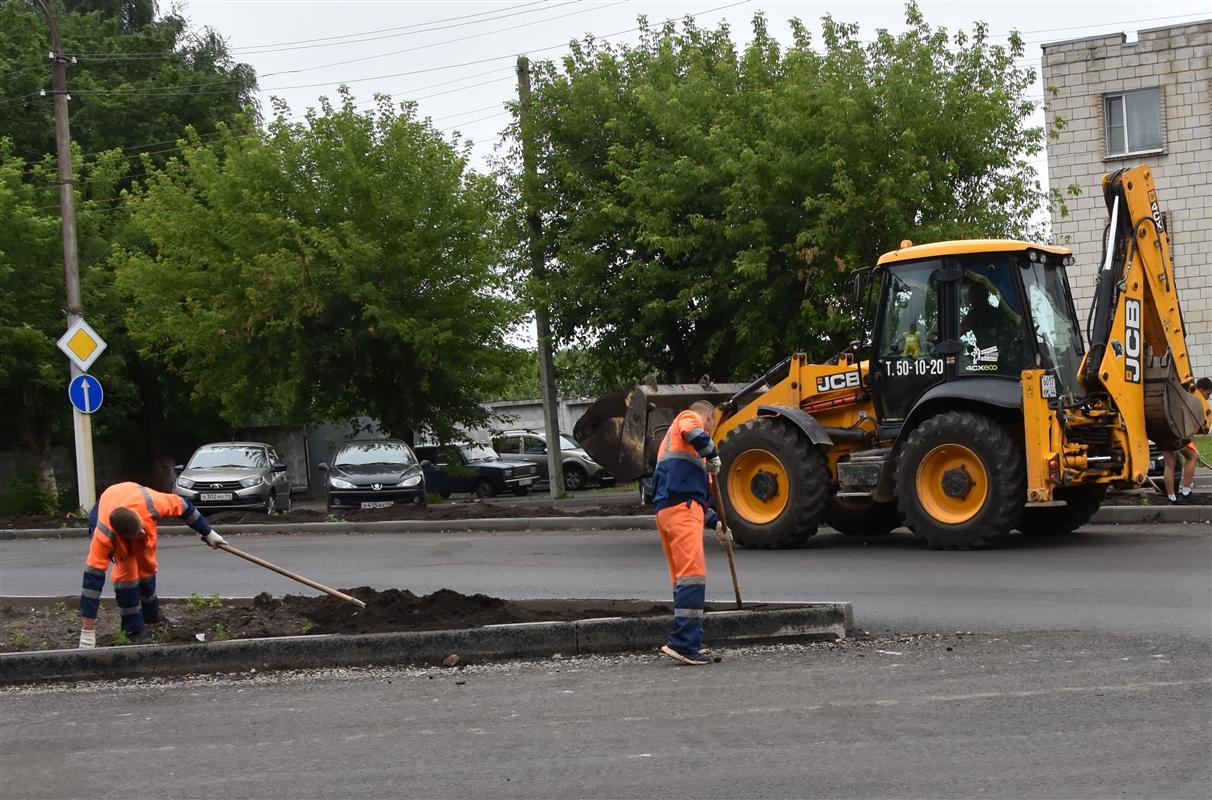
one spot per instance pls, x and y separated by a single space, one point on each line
443 512
197 619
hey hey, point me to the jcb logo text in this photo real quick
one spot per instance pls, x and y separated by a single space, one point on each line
1132 345
842 380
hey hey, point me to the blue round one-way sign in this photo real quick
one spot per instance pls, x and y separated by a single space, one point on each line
85 393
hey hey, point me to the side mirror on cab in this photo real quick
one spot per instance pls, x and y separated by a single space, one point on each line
322 467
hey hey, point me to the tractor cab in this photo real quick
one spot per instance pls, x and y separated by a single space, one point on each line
974 314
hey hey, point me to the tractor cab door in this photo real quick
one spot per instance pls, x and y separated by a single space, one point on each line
910 340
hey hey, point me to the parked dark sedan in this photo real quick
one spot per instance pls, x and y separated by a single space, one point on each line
374 474
474 467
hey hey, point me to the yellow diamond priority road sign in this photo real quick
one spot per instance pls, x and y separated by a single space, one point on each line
81 344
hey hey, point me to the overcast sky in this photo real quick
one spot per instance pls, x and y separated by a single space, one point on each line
303 49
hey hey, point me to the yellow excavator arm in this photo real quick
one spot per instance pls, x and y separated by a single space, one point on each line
1138 348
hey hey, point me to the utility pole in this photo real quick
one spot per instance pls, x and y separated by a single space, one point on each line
82 423
538 277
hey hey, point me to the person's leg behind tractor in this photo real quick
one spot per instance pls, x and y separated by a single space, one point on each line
1168 462
1191 454
681 530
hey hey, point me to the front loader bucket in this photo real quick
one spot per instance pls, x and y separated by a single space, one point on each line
622 430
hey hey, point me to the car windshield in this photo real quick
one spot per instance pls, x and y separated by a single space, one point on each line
237 456
356 455
478 452
568 443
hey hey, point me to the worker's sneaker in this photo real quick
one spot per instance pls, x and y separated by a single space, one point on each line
695 660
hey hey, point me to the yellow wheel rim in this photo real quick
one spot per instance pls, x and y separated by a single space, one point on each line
952 484
757 486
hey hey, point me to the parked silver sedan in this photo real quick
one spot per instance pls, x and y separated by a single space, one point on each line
235 475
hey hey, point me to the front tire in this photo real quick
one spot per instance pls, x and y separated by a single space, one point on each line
574 479
961 481
1084 502
485 490
775 483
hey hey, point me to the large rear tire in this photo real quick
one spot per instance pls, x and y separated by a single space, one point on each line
862 517
775 482
961 481
1084 502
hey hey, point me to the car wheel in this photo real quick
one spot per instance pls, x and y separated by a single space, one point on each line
484 490
423 501
574 479
286 508
271 504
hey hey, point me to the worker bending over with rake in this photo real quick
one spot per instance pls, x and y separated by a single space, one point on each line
680 495
122 529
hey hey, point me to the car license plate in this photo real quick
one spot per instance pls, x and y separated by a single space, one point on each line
525 481
377 504
215 497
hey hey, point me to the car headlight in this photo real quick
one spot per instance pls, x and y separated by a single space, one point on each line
508 473
337 483
248 483
413 481
185 483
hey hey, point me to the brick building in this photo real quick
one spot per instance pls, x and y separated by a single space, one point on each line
1143 102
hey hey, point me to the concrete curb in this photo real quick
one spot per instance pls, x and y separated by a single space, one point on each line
1107 515
772 623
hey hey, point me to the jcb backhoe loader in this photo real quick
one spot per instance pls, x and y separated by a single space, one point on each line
975 408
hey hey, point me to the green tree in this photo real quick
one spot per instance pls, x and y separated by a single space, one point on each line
153 64
703 205
342 266
137 79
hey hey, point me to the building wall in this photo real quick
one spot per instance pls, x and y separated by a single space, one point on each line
1178 60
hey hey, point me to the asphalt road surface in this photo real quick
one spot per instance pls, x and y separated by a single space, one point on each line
1122 579
1083 670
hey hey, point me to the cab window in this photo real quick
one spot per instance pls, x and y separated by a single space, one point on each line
992 317
533 445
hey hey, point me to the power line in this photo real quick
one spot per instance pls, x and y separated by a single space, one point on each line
172 92
351 38
439 44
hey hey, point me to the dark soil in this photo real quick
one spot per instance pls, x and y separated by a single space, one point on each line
453 511
57 627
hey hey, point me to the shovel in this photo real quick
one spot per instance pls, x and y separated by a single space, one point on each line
305 581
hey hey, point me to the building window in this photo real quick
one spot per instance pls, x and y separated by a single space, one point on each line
1133 122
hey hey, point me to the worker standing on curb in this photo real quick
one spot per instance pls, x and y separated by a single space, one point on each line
680 495
122 529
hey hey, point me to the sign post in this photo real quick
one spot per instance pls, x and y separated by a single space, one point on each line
82 346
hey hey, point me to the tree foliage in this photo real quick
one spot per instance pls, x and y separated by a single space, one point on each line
703 204
342 266
138 78
151 62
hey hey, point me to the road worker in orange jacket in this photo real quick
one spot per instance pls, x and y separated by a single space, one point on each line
122 529
680 487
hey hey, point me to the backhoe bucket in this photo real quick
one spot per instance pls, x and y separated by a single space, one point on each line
622 430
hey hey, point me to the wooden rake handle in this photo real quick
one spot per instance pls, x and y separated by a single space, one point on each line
719 504
305 581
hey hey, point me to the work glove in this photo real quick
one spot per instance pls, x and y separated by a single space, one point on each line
723 535
214 540
713 465
88 639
